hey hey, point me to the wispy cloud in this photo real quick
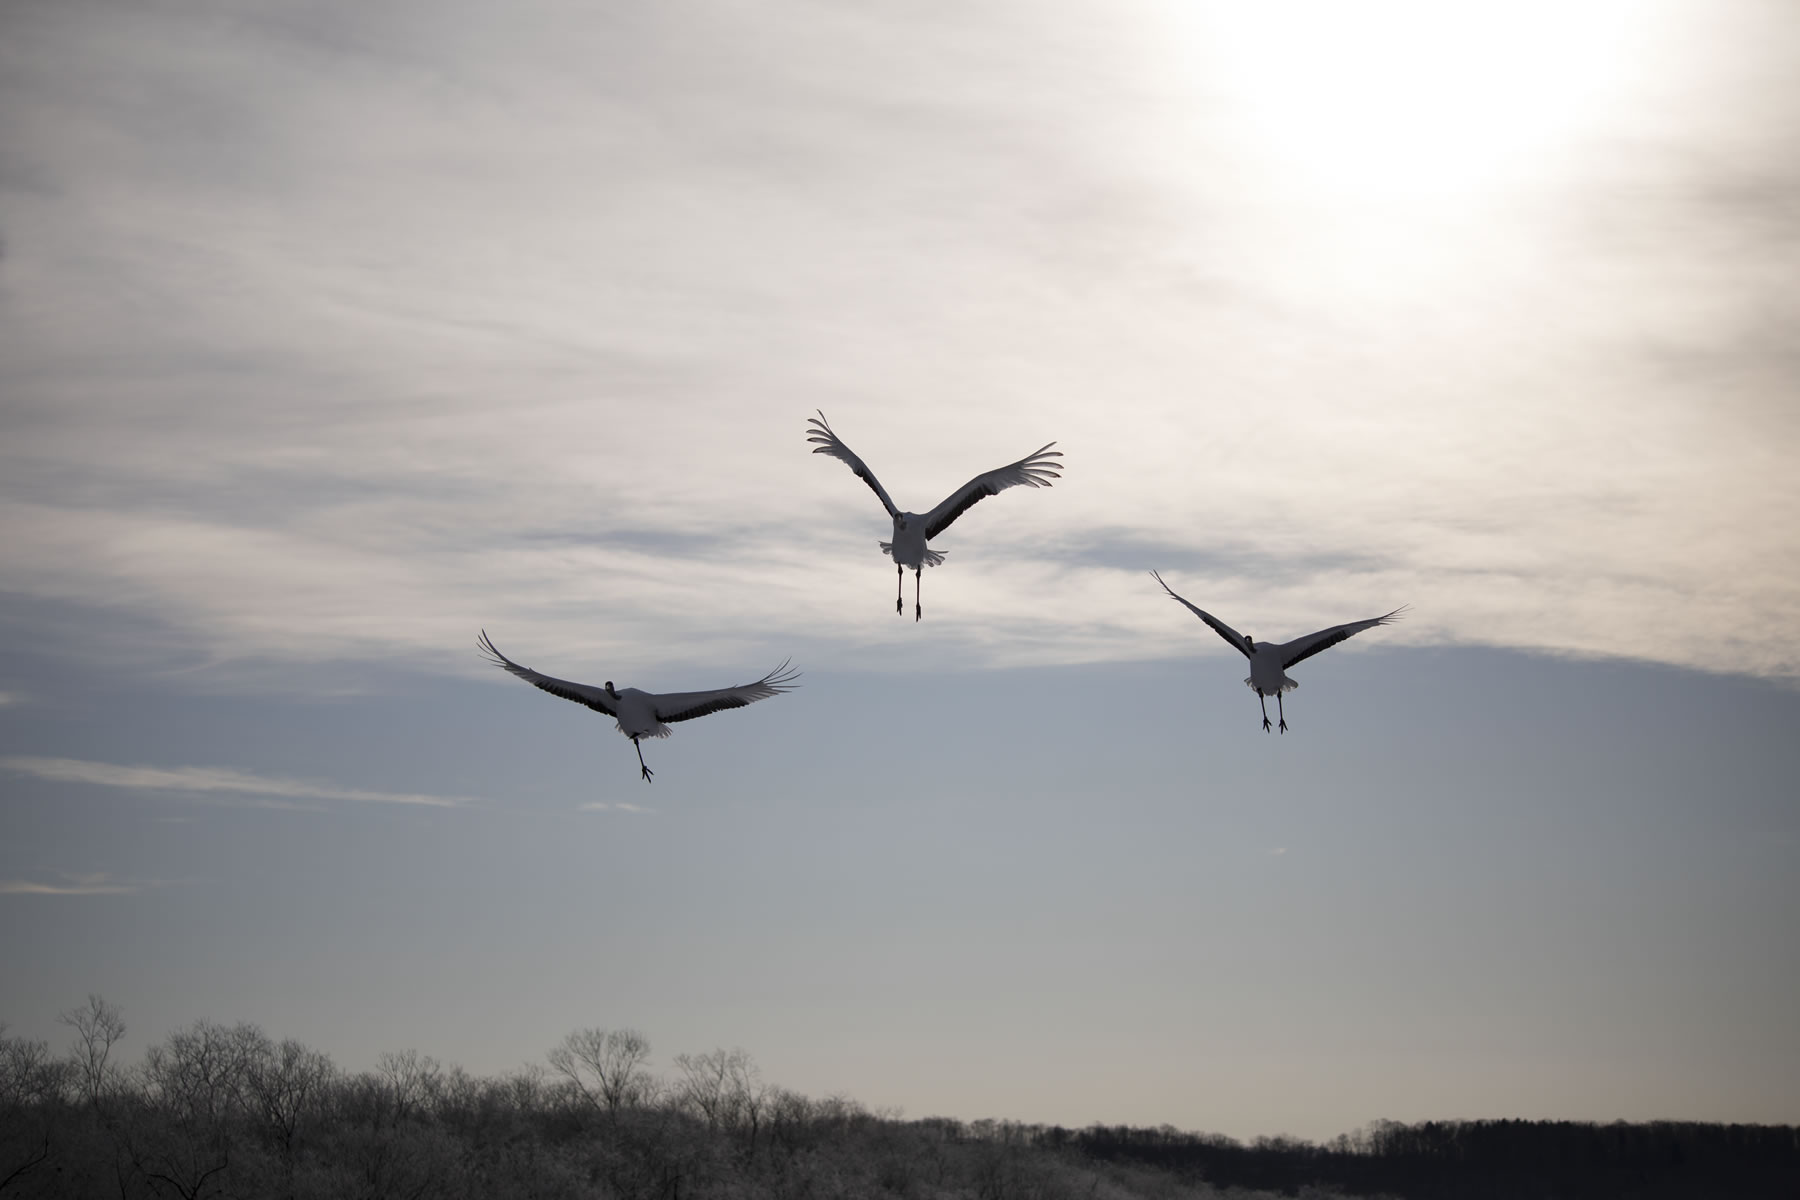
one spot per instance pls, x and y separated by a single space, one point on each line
76 885
7 698
1319 408
224 780
597 806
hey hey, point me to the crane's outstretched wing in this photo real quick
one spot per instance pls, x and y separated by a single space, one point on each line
581 693
685 706
1221 628
1305 647
1034 470
828 443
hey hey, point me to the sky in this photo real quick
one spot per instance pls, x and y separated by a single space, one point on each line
332 334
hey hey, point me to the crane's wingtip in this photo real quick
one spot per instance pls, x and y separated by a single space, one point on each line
782 677
491 652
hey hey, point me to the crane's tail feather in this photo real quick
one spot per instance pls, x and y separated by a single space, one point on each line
1287 685
933 558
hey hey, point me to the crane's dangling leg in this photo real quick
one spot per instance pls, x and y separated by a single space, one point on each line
918 610
1263 700
1282 711
899 588
646 770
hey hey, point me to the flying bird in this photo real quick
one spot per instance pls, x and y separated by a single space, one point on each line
646 714
913 530
1269 662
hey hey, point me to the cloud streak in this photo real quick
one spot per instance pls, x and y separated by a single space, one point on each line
77 885
210 780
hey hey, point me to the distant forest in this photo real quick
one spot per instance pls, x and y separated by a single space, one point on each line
218 1111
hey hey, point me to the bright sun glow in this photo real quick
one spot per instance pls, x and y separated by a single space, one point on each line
1420 100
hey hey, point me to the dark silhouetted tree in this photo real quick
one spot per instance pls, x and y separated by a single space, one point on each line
606 1068
98 1028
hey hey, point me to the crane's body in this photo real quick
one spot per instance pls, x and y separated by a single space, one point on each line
639 714
912 531
1269 661
908 549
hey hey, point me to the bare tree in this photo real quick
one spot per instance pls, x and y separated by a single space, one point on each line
28 1075
724 1088
411 1081
31 1083
524 1090
98 1027
286 1087
203 1073
606 1067
200 1085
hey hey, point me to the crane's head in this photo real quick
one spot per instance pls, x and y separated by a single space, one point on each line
609 690
1250 643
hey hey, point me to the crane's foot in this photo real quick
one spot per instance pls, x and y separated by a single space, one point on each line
918 612
1284 725
647 773
899 606
1266 725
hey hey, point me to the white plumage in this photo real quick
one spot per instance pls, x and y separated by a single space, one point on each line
1269 661
913 530
646 714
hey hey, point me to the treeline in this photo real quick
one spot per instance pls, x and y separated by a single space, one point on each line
1481 1160
224 1111
217 1111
